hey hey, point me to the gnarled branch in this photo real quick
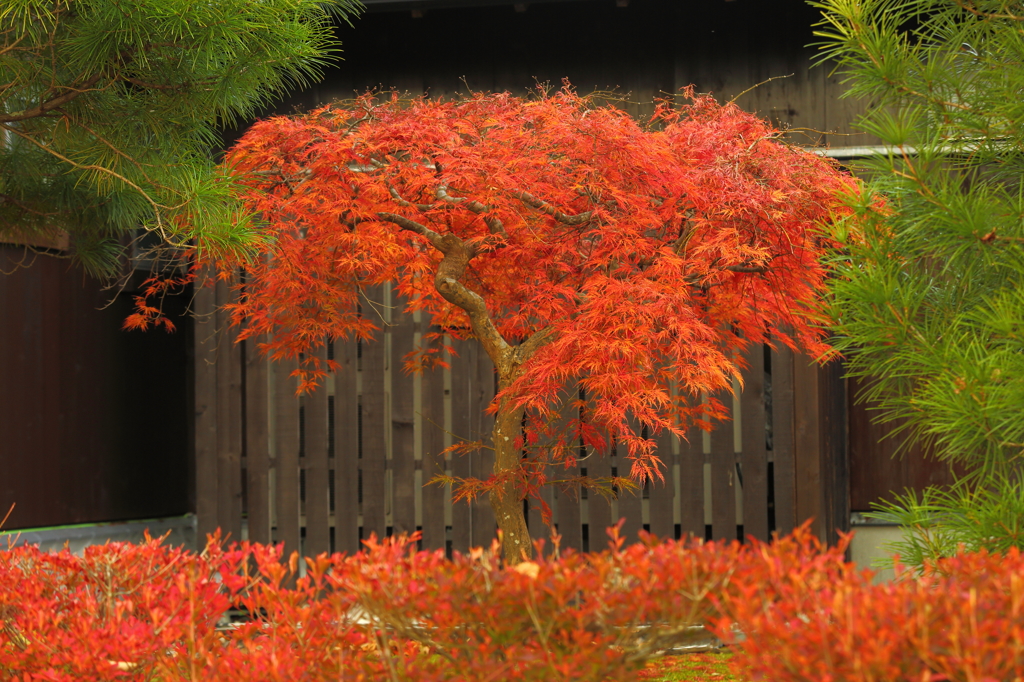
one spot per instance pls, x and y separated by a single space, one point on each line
545 207
422 208
435 239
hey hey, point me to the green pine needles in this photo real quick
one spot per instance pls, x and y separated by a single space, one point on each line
110 111
930 299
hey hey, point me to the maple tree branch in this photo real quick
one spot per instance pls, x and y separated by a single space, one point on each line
435 239
450 271
457 255
753 269
471 204
687 228
526 349
423 208
494 224
545 207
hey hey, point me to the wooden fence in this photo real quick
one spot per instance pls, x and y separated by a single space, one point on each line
319 473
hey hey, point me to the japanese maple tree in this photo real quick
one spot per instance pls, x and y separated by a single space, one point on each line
589 255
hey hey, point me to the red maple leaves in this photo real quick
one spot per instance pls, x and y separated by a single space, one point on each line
582 249
645 256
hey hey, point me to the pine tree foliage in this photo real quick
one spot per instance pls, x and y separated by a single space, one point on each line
928 299
109 112
581 249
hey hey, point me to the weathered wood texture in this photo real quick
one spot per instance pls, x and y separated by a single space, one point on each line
880 462
645 50
352 459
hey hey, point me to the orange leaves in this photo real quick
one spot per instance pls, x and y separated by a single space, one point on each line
814 618
147 611
645 256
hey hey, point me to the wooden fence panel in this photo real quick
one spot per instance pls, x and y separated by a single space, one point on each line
228 357
723 475
570 524
808 496
286 457
783 440
482 389
346 447
568 517
754 454
629 502
257 442
403 454
434 497
317 475
373 422
535 517
352 488
205 334
599 507
662 493
465 404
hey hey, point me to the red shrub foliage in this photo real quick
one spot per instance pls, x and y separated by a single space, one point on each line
150 612
962 619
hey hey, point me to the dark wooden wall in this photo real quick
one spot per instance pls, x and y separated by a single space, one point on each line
648 49
880 461
94 421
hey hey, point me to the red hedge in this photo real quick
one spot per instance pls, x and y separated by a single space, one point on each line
149 612
962 619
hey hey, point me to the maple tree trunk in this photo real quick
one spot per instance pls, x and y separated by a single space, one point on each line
505 499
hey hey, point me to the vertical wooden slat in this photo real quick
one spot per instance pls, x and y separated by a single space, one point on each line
570 526
567 500
346 448
229 418
691 484
784 466
464 406
723 475
374 453
754 456
630 502
663 492
403 455
599 508
807 445
433 463
286 456
834 450
535 517
205 329
318 532
257 441
482 461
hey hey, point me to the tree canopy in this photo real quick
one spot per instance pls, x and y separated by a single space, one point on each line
580 248
109 112
928 299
